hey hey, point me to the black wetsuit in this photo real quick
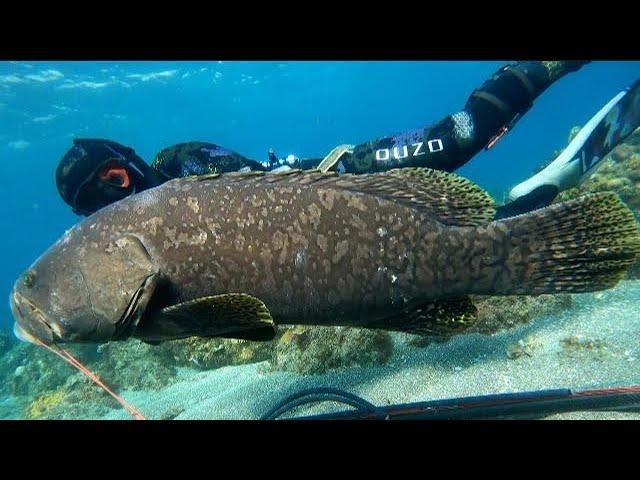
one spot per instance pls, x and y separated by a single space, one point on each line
452 142
90 175
447 145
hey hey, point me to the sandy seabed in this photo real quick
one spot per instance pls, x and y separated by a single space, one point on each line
595 344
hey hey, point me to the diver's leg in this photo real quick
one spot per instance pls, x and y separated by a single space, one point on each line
607 129
489 113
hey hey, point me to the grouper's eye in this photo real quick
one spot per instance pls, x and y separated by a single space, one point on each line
28 279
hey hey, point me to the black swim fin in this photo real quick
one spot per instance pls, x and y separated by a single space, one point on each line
613 123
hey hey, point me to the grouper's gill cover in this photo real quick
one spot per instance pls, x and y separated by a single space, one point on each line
85 286
397 250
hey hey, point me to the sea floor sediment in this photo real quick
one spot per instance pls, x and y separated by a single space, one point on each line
595 344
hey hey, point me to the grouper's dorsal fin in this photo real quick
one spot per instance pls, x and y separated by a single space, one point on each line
449 198
455 200
230 315
438 318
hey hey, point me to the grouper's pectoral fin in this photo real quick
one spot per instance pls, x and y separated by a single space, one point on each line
230 315
444 318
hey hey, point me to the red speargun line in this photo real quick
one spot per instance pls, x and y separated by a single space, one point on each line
71 360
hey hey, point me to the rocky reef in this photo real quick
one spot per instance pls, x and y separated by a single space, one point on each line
6 341
501 313
30 370
301 349
135 365
207 353
315 350
47 387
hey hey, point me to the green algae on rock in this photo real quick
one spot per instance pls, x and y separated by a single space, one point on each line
501 313
32 371
316 350
6 341
207 353
47 387
302 349
135 365
525 347
575 346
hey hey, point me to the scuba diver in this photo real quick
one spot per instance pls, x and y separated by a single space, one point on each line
95 172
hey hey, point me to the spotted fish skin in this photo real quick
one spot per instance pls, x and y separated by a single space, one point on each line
318 248
313 255
314 252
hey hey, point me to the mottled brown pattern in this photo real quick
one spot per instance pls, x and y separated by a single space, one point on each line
373 253
347 250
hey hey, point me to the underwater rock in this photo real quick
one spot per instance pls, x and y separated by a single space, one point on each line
303 349
316 350
207 353
68 410
502 313
135 365
577 346
77 399
126 365
524 347
47 387
6 341
39 407
11 408
32 371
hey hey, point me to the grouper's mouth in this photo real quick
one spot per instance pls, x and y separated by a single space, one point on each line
31 323
31 326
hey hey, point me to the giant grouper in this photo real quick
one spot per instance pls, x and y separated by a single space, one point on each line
235 255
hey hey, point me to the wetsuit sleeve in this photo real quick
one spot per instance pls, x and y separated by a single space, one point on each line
200 158
489 113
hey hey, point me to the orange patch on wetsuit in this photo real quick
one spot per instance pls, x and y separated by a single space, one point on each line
114 172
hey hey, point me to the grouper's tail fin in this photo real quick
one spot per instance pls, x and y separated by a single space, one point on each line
581 245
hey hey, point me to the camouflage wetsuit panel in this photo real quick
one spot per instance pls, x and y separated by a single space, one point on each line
200 158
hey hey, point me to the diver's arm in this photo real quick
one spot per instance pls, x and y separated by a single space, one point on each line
607 129
490 112
201 158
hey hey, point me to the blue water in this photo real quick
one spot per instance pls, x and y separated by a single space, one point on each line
305 108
